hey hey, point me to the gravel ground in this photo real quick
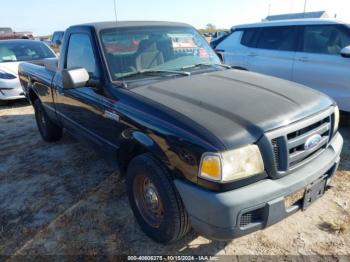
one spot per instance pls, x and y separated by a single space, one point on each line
63 199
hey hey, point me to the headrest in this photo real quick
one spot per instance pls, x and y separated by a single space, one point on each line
147 45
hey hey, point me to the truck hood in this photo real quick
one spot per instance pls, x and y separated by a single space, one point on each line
237 106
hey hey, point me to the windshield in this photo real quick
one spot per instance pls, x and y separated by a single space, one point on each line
19 51
57 36
132 50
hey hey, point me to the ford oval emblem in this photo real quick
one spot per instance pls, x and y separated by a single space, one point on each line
312 141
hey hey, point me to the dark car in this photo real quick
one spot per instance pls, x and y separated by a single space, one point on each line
224 151
56 40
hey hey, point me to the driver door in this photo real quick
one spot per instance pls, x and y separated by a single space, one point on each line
82 110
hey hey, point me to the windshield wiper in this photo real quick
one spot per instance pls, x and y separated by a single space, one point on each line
152 72
206 64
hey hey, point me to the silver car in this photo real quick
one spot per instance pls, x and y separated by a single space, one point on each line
313 52
12 53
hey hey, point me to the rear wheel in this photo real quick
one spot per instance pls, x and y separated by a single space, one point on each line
49 131
154 200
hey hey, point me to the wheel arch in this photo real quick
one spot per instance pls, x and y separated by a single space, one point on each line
134 143
32 95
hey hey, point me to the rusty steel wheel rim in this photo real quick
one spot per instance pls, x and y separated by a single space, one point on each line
148 201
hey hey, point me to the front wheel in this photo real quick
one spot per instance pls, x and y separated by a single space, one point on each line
49 131
154 200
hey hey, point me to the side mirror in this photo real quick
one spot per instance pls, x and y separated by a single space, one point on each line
74 78
345 52
58 42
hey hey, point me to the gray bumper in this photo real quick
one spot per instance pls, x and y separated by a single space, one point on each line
218 215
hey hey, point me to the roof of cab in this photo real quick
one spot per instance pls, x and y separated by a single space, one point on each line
291 22
122 24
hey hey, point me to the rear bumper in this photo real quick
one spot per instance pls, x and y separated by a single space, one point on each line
219 215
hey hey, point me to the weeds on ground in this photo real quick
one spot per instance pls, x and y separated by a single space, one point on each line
333 226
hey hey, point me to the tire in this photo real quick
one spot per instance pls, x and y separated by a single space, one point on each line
49 131
171 221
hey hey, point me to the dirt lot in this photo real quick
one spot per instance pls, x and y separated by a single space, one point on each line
62 199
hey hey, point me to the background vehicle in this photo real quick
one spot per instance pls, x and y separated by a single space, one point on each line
187 131
12 53
313 52
56 40
207 34
7 33
218 35
217 41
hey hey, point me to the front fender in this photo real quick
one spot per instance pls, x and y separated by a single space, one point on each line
31 94
135 142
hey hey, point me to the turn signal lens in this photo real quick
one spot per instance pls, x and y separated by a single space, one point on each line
211 167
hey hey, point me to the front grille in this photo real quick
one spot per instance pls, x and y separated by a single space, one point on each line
289 149
276 153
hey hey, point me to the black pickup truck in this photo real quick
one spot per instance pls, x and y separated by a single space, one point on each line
224 151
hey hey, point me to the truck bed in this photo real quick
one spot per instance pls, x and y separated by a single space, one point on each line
41 72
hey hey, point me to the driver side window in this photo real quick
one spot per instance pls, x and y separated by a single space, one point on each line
80 54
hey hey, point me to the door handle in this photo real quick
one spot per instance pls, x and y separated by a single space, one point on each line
303 59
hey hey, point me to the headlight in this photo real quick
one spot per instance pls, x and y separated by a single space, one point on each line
336 119
231 165
5 75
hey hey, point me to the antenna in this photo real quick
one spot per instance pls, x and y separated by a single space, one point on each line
116 21
115 10
305 3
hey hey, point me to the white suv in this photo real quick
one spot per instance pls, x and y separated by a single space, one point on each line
313 52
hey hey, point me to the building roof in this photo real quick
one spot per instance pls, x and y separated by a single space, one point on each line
320 14
291 22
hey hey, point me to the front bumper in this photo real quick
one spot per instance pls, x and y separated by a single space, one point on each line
11 90
219 215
